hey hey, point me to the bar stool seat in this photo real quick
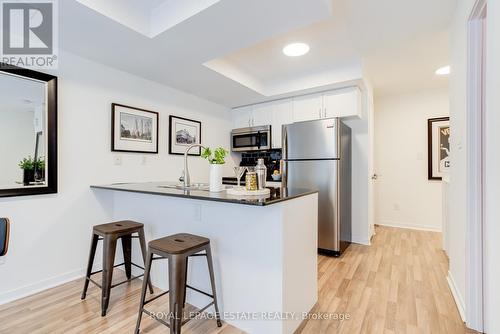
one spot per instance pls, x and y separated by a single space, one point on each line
118 228
177 248
110 233
178 243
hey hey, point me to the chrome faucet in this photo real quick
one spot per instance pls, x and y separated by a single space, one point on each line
186 179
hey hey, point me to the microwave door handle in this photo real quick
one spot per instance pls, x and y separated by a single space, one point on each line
258 140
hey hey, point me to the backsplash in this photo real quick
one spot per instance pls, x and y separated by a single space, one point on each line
271 160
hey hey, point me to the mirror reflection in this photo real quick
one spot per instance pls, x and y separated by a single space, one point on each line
23 128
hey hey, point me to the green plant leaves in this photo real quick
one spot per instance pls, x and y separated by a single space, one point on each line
217 157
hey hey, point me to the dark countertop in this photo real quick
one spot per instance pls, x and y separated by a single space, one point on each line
159 188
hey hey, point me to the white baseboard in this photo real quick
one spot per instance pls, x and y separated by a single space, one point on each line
31 289
459 301
409 226
360 240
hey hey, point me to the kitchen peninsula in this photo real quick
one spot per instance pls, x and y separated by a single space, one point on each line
265 250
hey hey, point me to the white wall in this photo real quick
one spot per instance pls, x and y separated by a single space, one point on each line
50 234
404 195
18 141
362 168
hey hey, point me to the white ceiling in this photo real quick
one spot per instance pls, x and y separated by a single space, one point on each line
398 44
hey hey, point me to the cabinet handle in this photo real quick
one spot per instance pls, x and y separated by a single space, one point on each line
320 113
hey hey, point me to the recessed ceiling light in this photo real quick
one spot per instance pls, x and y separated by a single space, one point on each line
443 70
296 49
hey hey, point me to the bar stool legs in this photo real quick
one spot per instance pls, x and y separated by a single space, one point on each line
147 272
177 268
107 272
212 283
177 287
93 247
110 233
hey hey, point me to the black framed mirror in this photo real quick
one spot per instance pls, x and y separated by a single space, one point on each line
28 132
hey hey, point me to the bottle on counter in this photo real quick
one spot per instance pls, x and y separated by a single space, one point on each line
261 171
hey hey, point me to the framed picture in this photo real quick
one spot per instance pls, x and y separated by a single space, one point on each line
183 133
438 134
133 129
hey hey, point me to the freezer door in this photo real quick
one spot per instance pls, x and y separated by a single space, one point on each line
311 140
320 175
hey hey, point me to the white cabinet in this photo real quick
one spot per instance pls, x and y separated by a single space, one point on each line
274 113
342 103
242 117
262 115
345 102
282 114
308 107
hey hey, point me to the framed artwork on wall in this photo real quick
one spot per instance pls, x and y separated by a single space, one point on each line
438 134
183 133
133 129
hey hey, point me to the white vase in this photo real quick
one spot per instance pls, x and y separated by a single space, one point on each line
216 178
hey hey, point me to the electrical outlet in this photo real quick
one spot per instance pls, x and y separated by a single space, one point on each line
117 160
396 207
2 260
143 160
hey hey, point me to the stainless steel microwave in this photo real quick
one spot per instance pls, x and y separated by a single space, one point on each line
256 138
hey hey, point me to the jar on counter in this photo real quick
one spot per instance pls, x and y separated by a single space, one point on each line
251 180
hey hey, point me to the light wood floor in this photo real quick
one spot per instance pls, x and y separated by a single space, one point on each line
397 285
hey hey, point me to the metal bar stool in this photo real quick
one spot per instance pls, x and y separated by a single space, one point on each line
4 236
177 249
110 233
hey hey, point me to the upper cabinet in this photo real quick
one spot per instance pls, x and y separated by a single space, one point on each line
242 117
342 103
282 114
307 107
262 115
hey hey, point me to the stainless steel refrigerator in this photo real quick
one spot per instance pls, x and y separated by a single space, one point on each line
317 154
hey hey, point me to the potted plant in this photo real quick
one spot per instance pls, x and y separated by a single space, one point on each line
28 167
39 169
216 160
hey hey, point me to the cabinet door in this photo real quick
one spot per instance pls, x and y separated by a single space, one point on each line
282 114
242 117
262 114
342 103
307 108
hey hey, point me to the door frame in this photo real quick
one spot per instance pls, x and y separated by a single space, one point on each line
476 73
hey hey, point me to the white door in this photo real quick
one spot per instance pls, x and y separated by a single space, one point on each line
242 117
342 103
307 108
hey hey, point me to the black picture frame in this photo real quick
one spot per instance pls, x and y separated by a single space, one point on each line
52 132
155 114
430 147
171 149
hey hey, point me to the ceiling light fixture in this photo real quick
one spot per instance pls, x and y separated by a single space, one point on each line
445 70
296 49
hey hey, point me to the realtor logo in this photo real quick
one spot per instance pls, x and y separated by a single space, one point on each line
28 34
